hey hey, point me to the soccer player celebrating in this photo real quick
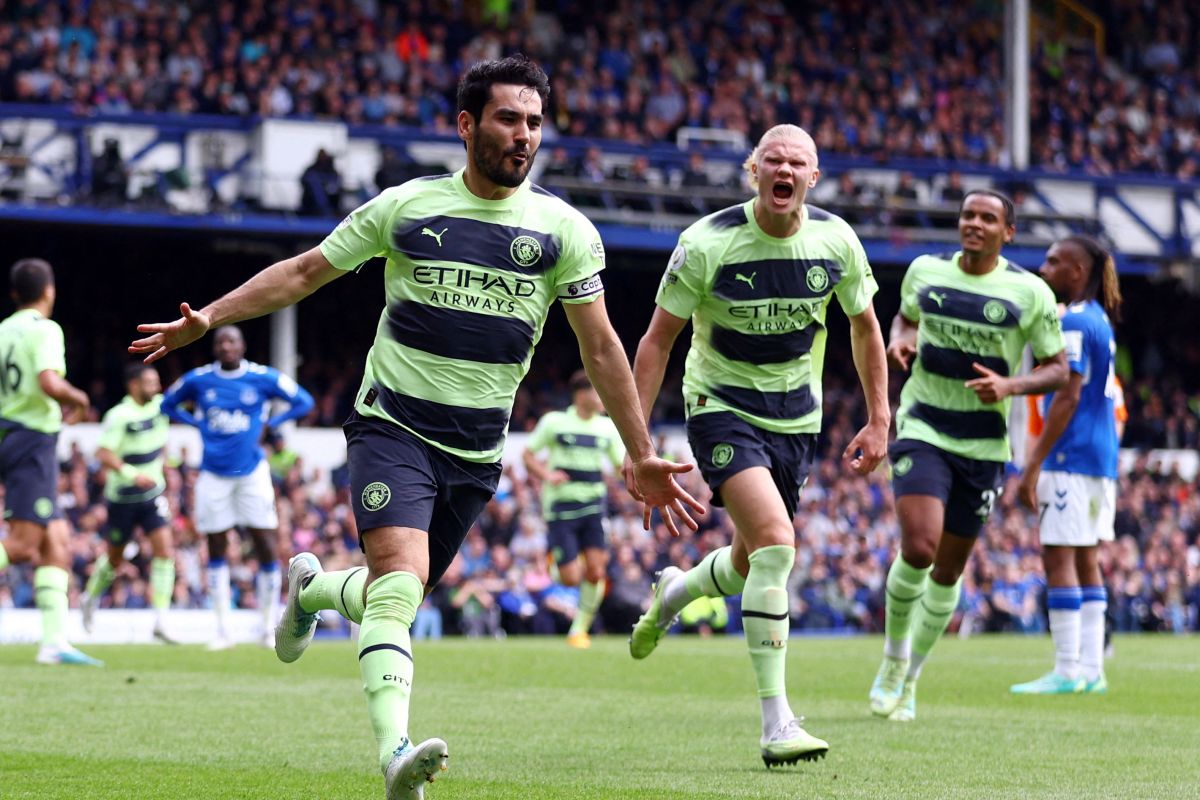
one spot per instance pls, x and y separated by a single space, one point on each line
1072 472
33 393
756 280
230 401
132 438
474 260
964 320
579 440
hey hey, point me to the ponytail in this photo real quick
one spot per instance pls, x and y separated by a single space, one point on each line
1102 277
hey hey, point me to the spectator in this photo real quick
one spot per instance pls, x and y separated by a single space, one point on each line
110 176
321 187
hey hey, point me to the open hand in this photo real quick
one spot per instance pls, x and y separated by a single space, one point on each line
900 354
168 336
652 482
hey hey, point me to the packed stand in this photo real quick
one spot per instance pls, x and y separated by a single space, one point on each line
868 80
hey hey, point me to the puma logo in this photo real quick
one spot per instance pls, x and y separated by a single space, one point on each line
739 276
937 298
438 236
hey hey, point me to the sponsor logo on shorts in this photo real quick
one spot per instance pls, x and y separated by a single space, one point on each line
817 278
994 312
43 507
525 250
722 454
902 466
376 496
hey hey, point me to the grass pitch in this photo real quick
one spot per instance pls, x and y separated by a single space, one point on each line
534 719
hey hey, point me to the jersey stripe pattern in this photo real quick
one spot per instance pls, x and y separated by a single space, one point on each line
964 320
579 447
137 434
468 284
758 306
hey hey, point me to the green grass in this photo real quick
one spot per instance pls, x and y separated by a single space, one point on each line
533 719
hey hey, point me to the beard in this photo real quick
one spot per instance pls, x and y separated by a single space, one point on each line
492 161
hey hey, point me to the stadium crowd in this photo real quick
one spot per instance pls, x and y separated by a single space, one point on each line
847 527
869 80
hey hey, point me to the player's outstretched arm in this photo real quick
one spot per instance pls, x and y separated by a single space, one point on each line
869 446
606 365
1050 375
279 285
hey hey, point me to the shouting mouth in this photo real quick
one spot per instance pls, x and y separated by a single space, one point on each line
783 191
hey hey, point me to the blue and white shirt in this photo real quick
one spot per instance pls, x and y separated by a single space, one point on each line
1089 444
230 408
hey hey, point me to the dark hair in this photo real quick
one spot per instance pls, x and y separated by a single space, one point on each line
1010 211
475 87
579 382
1102 275
29 278
134 371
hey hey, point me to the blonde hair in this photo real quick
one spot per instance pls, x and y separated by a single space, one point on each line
784 131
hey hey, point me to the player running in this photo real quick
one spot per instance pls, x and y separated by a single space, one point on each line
1071 478
579 441
230 403
756 280
132 439
33 394
474 260
964 320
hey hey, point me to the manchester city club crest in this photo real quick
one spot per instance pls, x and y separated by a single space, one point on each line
376 496
817 278
722 454
902 465
525 250
994 312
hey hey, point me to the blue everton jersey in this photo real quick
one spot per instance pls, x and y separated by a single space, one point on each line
230 409
1089 444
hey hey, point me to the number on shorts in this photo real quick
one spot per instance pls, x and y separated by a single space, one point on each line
162 507
988 496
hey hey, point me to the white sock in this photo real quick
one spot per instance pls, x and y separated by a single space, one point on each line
775 712
219 594
1064 630
914 666
266 588
675 598
1091 632
897 648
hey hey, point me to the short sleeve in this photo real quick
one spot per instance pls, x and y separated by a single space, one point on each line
857 285
49 351
112 430
1075 333
1043 328
362 235
910 306
577 273
283 384
540 438
683 282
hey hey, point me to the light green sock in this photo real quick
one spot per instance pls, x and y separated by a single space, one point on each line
102 576
765 616
590 597
714 576
930 621
385 657
905 586
341 590
50 585
4 562
162 582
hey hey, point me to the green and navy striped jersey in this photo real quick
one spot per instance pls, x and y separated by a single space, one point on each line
30 344
965 319
578 447
468 284
758 305
137 434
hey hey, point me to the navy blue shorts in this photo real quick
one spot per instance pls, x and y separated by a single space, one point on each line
396 479
123 518
967 487
725 444
29 469
568 537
